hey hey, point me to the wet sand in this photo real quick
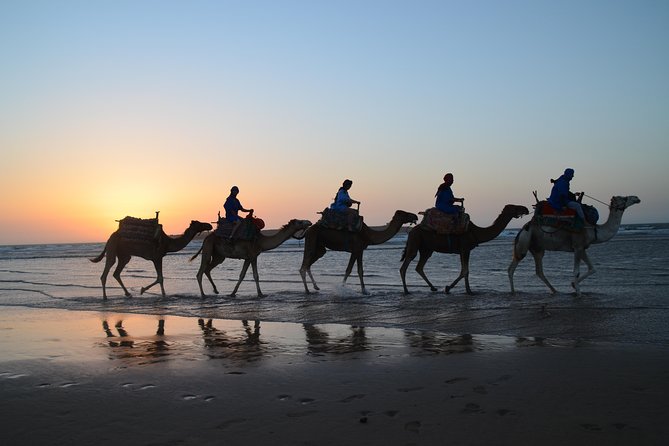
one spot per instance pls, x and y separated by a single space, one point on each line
70 377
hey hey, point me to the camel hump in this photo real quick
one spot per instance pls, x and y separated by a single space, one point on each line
443 223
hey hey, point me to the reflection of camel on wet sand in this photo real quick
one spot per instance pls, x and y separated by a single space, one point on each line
123 249
425 242
319 239
156 347
319 341
222 345
538 239
215 249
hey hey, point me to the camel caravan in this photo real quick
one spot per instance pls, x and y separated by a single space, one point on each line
560 223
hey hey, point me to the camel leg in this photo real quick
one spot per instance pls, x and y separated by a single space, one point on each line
511 270
539 269
109 262
349 267
578 256
158 264
422 260
307 261
122 262
256 277
245 267
215 261
464 273
403 271
520 247
591 268
360 275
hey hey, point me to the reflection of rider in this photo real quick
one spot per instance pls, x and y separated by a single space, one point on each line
445 197
561 197
343 202
232 207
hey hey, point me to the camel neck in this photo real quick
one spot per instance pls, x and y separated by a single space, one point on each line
179 243
376 237
605 232
483 235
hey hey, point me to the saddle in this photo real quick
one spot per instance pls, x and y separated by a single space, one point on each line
339 220
547 215
442 223
144 229
249 228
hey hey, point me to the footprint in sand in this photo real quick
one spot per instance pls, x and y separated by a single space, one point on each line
284 397
189 397
472 408
148 386
504 412
303 413
42 385
306 401
413 426
209 398
591 427
69 384
226 424
500 379
348 399
480 390
391 413
455 380
409 389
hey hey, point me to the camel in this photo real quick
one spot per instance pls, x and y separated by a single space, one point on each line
153 250
318 239
425 242
537 239
215 249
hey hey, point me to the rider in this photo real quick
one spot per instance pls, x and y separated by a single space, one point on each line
343 202
561 197
445 197
232 207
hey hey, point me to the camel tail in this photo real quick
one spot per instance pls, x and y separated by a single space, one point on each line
196 254
100 257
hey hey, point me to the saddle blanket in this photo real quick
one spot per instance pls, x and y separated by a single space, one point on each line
547 215
443 223
147 229
249 228
339 220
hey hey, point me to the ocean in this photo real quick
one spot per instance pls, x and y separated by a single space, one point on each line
624 301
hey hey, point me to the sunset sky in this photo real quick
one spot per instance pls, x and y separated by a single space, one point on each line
115 108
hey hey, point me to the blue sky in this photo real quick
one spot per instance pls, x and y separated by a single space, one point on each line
110 108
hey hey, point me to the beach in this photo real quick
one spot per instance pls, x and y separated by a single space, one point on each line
336 367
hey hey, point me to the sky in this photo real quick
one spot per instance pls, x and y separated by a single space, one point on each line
115 108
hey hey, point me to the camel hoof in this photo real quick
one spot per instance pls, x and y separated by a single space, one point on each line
365 292
261 295
316 288
434 289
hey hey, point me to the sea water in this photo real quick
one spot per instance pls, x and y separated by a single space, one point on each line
625 300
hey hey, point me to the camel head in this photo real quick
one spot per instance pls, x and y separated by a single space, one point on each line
294 226
405 217
298 225
515 211
198 227
622 203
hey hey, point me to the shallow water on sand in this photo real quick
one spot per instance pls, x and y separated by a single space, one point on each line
625 300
